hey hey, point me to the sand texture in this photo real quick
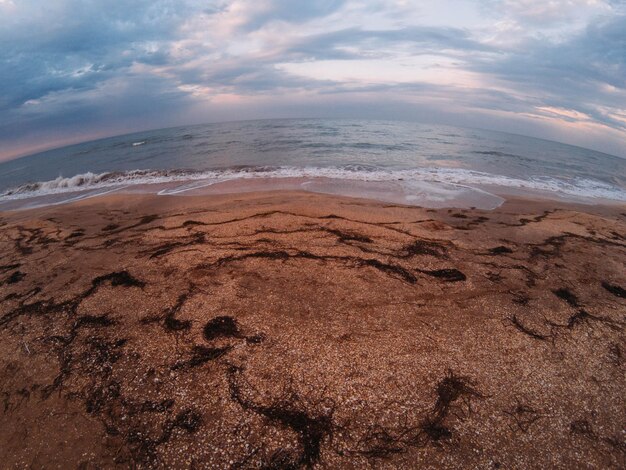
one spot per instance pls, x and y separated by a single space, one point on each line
294 330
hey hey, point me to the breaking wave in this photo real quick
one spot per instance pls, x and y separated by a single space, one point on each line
575 187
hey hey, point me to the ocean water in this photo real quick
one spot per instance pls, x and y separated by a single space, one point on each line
402 162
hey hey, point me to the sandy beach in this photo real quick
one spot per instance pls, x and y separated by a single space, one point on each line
294 330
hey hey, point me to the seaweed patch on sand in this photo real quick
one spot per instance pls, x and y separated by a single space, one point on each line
295 330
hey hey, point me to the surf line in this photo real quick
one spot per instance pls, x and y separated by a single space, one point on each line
189 187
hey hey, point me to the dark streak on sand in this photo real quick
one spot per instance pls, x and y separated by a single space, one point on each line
219 351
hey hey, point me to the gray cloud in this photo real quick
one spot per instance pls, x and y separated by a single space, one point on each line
424 39
72 66
583 73
291 11
74 45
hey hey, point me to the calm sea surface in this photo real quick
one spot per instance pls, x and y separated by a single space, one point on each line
414 159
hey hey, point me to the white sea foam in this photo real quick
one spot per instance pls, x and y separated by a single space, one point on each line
577 187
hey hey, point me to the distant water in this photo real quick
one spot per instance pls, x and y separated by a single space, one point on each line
421 163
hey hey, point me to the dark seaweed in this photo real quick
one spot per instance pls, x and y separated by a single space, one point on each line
156 407
16 277
520 299
9 267
170 322
498 250
449 390
92 320
255 339
523 415
190 223
76 234
568 296
291 412
379 442
201 355
349 236
448 275
579 317
222 326
195 239
147 219
615 289
581 427
391 269
533 334
70 306
423 247
120 278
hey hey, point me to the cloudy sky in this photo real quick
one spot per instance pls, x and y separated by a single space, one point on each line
73 70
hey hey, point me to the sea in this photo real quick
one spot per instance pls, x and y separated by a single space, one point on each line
399 162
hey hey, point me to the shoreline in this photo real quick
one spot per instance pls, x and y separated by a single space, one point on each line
430 195
311 330
141 201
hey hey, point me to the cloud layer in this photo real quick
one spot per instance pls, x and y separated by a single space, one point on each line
76 69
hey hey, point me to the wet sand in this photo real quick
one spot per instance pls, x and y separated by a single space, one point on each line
290 329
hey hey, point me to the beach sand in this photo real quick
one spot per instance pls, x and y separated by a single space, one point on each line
290 329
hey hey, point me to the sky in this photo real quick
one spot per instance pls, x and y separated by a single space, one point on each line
76 70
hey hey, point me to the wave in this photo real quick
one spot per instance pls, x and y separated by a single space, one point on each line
576 187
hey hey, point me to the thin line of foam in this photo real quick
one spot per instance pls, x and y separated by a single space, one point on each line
579 187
